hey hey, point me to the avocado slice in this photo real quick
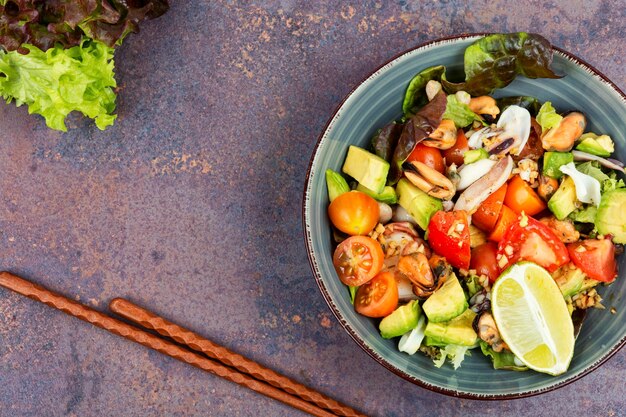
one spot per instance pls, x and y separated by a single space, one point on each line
401 321
552 161
610 217
388 195
596 145
420 205
474 155
563 202
336 184
368 169
569 279
447 302
458 331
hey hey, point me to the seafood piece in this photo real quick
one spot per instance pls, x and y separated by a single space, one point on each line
478 192
608 162
547 187
486 328
385 212
429 180
470 173
564 229
510 134
401 238
433 87
562 137
484 105
444 137
416 268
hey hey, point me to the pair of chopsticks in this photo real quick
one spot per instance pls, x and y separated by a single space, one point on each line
195 350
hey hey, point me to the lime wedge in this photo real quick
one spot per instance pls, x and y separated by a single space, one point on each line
533 319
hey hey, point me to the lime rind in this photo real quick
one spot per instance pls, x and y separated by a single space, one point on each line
532 317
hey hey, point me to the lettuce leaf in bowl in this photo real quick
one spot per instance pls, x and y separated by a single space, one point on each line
494 61
56 82
490 63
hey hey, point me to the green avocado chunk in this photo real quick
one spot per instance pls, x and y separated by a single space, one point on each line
336 184
474 155
447 302
368 169
458 331
388 195
402 320
563 202
610 218
569 279
420 205
552 161
596 145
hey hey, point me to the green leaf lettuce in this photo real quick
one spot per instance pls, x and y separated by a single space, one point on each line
548 117
56 82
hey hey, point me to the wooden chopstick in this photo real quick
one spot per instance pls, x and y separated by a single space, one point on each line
75 309
198 343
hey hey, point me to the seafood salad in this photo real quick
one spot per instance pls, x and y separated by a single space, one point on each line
475 222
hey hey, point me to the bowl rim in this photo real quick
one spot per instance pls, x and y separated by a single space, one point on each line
327 297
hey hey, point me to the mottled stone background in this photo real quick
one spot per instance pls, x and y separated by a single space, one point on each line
191 205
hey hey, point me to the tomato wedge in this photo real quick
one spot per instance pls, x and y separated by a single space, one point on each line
448 236
530 240
484 260
454 155
486 216
430 157
521 197
378 297
594 257
507 217
358 259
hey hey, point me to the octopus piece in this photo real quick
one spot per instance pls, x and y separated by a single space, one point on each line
401 238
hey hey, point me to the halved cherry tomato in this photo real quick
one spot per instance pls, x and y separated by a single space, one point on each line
354 213
379 297
484 260
530 240
594 257
454 155
521 197
428 156
506 218
486 216
448 236
358 259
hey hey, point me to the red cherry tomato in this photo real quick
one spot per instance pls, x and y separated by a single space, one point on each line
358 259
428 156
354 213
594 257
484 260
488 212
454 155
378 297
448 236
521 197
530 240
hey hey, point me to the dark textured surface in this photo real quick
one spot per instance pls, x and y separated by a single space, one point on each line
190 205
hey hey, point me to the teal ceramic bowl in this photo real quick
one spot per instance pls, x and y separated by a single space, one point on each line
378 100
